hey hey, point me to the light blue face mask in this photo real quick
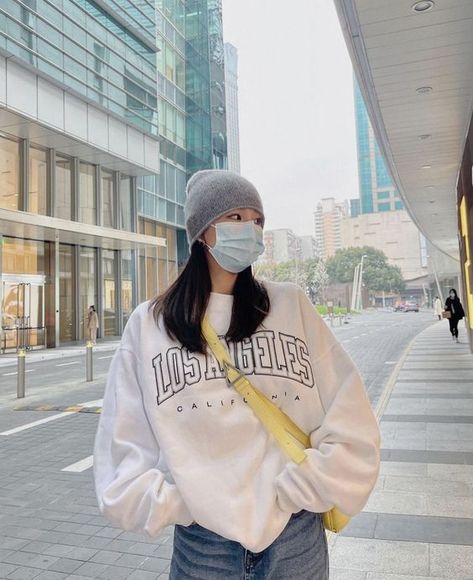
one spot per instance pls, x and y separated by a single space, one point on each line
238 245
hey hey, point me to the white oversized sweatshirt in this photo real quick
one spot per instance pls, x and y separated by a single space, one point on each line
176 444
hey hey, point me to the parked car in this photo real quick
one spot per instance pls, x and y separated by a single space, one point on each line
399 307
411 307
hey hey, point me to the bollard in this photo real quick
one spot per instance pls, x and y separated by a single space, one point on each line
89 361
20 375
331 320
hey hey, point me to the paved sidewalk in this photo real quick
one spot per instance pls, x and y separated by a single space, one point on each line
418 523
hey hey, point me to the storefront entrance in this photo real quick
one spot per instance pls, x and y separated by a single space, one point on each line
22 312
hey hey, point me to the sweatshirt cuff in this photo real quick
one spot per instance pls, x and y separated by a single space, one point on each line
178 511
295 490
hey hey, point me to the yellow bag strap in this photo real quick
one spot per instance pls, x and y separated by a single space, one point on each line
288 435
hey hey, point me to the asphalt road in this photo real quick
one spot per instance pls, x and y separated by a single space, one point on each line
375 341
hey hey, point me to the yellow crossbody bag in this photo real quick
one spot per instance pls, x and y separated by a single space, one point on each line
290 438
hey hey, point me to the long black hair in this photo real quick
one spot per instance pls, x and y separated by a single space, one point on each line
455 292
182 306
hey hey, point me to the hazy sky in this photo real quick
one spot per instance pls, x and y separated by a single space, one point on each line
297 128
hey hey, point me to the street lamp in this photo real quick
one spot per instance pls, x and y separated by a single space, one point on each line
361 283
356 301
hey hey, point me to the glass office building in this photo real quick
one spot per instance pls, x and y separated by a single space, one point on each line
377 191
105 112
78 127
191 118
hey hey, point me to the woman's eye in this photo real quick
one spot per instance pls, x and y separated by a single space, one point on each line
235 216
259 222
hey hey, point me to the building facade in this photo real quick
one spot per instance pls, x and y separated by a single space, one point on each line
104 113
217 85
377 191
395 234
281 245
307 248
231 106
327 225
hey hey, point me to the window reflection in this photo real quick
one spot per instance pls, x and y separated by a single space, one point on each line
87 194
109 293
66 293
108 206
37 181
126 221
87 286
63 187
9 173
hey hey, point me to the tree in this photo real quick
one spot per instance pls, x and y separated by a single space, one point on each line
311 275
378 275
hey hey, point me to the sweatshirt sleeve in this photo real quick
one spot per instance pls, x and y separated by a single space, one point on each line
342 464
132 493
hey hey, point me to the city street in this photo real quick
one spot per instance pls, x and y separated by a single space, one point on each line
50 526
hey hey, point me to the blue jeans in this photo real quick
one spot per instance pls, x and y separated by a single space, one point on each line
299 553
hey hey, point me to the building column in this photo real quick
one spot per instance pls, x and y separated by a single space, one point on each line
75 186
24 175
118 292
76 277
135 278
99 291
51 183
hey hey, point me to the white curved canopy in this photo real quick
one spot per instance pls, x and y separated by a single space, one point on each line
395 52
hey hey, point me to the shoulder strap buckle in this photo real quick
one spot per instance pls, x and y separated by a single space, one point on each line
237 372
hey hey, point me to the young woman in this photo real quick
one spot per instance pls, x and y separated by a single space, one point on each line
92 324
438 307
454 306
178 445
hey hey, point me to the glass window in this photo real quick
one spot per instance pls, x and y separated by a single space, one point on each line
37 181
108 201
171 241
142 274
151 274
87 194
126 221
66 293
87 286
170 181
22 256
109 293
127 286
63 188
9 174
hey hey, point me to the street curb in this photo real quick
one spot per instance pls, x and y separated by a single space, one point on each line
51 354
59 408
388 389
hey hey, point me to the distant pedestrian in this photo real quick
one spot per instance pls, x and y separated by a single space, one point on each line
92 324
179 440
438 307
453 305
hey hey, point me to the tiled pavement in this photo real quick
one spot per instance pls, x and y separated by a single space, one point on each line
418 523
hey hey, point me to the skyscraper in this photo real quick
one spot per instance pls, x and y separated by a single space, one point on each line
217 85
377 191
327 223
231 105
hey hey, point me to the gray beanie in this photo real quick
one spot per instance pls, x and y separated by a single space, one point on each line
211 194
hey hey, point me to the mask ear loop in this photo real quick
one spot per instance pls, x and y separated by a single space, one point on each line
203 242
